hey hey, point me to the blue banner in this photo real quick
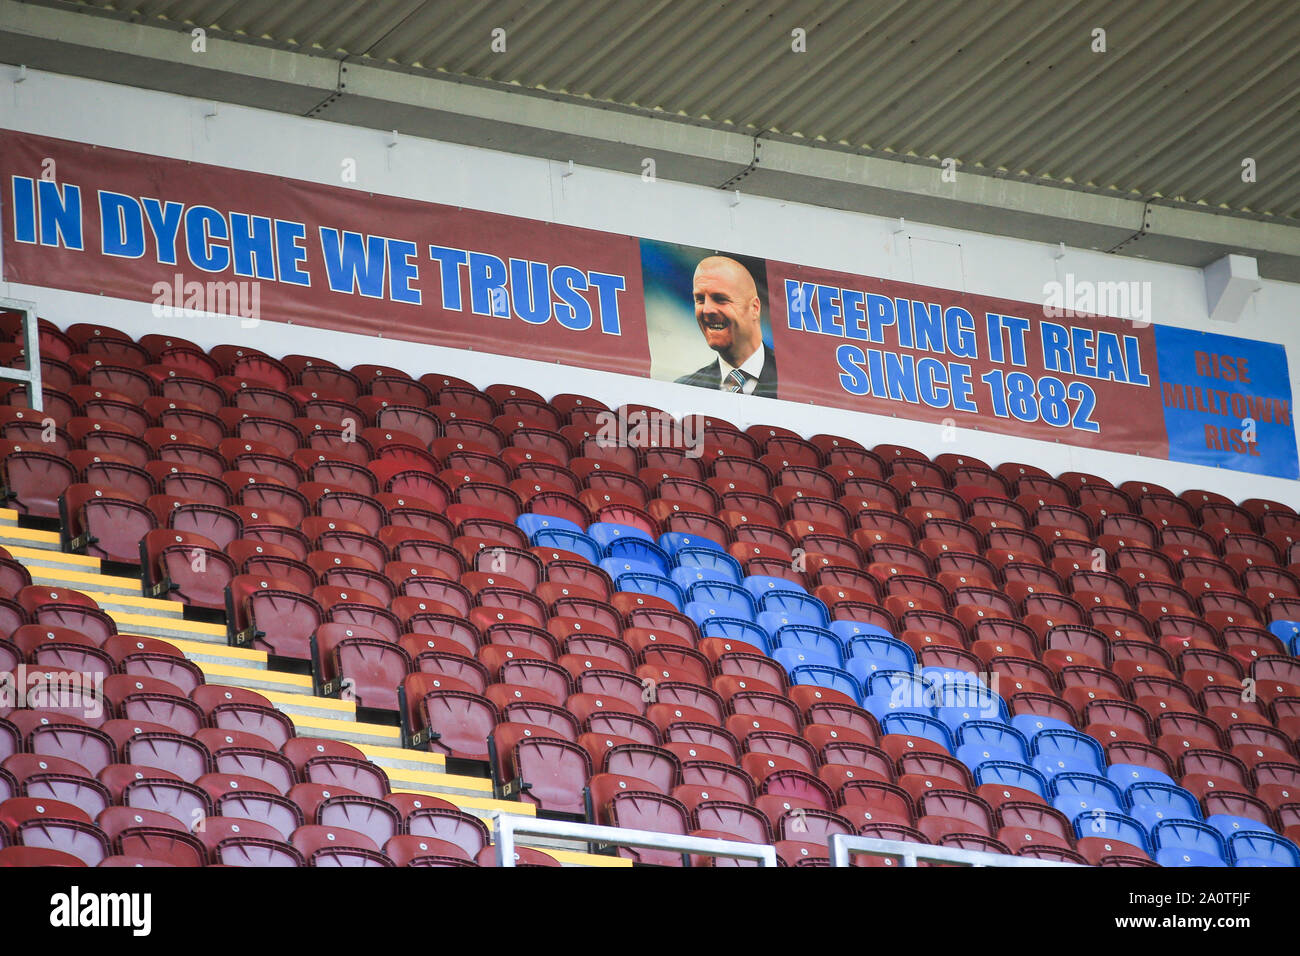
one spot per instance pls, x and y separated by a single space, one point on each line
1227 402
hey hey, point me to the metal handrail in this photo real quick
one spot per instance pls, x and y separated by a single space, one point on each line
31 351
843 846
506 826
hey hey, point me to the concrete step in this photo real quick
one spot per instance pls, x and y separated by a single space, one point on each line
481 807
404 758
301 704
136 604
202 652
84 580
12 536
441 784
40 558
345 728
575 857
258 679
152 625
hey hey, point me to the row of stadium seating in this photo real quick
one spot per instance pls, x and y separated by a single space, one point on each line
751 635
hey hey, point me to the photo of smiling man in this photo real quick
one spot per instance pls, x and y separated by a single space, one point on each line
699 301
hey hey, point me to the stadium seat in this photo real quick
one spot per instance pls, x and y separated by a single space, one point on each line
1188 843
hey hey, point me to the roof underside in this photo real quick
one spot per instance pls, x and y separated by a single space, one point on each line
1184 94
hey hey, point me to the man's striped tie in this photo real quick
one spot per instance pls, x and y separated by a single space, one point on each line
736 380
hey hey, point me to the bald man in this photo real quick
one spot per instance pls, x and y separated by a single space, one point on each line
729 314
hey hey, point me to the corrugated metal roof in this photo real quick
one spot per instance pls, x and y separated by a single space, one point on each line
1185 91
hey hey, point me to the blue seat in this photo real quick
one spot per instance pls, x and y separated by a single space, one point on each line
1006 774
735 629
641 551
715 562
894 691
1066 751
1287 632
992 707
954 717
605 532
900 686
880 649
802 608
1252 848
1151 802
1031 724
979 741
1188 843
723 566
792 657
562 540
863 667
952 677
722 595
1073 793
848 630
818 640
917 725
701 611
616 566
831 678
759 585
1124 775
882 707
1227 824
957 688
651 584
1112 826
530 523
718 561
685 577
675 542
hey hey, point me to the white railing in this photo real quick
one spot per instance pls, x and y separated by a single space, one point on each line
842 847
32 352
506 826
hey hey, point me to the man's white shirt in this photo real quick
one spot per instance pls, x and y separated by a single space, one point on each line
752 367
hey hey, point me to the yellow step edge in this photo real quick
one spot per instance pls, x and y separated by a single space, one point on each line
115 600
307 700
279 677
577 858
128 621
376 751
75 578
8 514
10 532
143 603
333 725
62 557
478 803
440 788
248 654
442 779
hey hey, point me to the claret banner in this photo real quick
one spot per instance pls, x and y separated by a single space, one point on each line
1085 366
156 230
